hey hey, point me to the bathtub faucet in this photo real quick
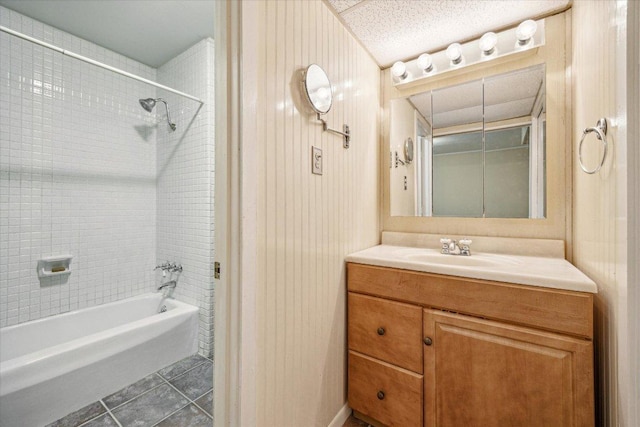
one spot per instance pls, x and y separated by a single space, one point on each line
170 284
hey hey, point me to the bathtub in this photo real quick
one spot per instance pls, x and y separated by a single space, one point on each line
56 365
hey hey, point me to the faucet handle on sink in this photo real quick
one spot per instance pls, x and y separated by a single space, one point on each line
465 246
445 245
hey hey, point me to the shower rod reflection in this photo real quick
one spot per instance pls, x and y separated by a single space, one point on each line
96 63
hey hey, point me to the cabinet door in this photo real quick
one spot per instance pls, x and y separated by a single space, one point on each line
484 373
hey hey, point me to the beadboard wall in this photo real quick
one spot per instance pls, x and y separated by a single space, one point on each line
599 201
307 223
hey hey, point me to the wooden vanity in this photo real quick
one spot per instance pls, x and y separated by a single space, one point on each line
436 350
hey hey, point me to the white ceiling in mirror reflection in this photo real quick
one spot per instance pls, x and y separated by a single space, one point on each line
506 96
398 30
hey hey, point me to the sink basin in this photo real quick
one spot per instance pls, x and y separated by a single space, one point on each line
550 272
462 261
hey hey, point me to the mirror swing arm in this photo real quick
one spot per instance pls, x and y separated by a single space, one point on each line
319 95
346 134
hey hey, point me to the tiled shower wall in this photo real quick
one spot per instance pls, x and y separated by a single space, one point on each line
77 174
80 174
185 160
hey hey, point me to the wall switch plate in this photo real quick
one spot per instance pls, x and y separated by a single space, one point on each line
316 160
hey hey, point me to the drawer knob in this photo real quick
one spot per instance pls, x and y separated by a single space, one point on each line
381 395
427 341
381 331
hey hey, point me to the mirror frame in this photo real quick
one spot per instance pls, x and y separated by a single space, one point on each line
558 111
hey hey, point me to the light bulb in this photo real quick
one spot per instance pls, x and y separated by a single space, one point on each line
488 43
525 32
454 53
323 93
425 63
399 70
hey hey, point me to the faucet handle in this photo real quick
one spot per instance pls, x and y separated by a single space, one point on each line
464 247
445 245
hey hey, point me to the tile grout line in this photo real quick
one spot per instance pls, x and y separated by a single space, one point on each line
112 414
154 387
190 401
102 414
164 381
136 396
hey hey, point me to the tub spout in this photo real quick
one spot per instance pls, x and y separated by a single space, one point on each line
170 284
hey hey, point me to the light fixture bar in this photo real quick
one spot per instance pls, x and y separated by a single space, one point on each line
491 46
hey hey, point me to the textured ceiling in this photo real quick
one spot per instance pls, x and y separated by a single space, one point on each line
149 31
394 30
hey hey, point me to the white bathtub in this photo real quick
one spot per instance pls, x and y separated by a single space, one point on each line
56 365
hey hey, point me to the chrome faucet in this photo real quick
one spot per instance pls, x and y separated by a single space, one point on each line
453 247
170 284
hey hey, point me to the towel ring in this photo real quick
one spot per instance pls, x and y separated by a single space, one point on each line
601 133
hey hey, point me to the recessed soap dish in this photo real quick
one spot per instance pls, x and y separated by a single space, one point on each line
54 266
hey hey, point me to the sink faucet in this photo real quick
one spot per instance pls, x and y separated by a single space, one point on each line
453 247
170 284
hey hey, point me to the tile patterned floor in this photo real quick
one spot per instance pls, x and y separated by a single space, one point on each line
180 395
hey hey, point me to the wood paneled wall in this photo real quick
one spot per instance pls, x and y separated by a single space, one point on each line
599 201
307 223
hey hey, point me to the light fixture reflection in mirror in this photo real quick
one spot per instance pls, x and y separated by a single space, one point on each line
479 149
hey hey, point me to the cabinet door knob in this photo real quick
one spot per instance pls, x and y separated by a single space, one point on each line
427 341
381 331
381 395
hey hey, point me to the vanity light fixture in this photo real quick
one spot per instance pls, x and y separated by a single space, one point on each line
425 63
399 70
454 53
525 33
493 45
488 44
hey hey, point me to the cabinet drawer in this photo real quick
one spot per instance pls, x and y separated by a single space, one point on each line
390 395
387 330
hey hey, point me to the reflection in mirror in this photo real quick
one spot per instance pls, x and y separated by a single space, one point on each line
457 150
480 149
318 89
514 144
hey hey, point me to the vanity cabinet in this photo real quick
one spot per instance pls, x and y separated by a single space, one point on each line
483 354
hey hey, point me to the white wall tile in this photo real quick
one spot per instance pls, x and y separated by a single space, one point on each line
80 174
185 161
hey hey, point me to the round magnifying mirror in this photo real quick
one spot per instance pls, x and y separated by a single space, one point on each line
408 150
317 87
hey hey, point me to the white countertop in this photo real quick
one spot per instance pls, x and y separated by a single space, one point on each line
556 273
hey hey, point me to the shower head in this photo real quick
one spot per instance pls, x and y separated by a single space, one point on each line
148 105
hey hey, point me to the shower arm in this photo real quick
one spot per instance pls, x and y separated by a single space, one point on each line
166 106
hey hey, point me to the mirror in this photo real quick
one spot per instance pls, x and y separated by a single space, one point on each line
317 88
408 150
480 149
